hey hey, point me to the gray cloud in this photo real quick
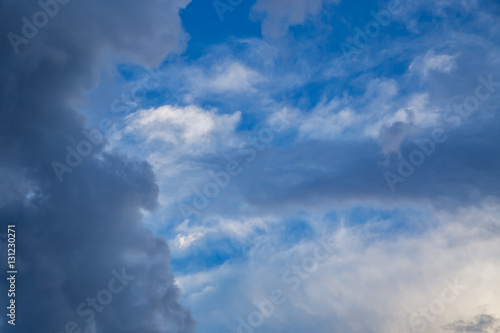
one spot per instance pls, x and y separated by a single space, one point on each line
72 235
483 323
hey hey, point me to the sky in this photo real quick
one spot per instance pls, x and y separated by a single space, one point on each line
250 166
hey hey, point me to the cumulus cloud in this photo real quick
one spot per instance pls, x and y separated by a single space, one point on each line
77 234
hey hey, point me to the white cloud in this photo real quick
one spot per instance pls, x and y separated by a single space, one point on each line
228 77
323 124
241 230
184 241
367 286
278 15
234 77
443 63
189 129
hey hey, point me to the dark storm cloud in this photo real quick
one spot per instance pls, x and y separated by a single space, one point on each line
75 237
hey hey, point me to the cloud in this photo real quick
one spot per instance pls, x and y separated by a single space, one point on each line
325 124
377 279
75 234
277 16
443 63
343 128
189 129
233 77
214 77
240 229
483 323
180 142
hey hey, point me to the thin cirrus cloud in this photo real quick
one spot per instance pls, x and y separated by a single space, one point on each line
277 16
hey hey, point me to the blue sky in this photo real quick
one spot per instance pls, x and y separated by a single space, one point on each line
257 140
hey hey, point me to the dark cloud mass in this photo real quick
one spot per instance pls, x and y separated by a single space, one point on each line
74 236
